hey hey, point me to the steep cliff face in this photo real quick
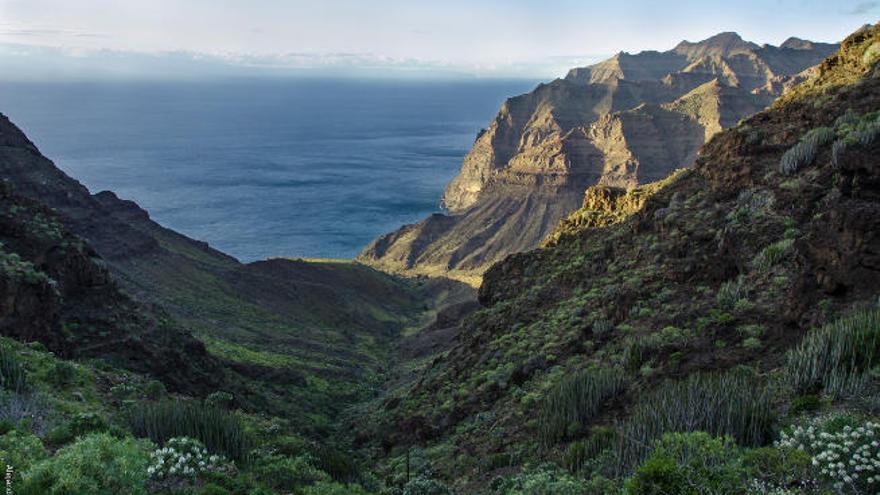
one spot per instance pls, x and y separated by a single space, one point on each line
55 290
722 266
628 120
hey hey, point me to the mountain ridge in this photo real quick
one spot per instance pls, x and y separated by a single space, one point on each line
719 270
617 123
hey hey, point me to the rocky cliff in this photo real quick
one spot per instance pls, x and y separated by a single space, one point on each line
715 270
628 120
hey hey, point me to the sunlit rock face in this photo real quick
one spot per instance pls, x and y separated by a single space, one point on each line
622 122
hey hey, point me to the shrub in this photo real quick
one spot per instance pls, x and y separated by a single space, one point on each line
731 404
424 486
751 330
220 430
689 464
575 401
123 391
290 446
730 292
288 473
180 462
81 424
334 488
805 403
771 255
804 152
667 337
773 470
155 390
838 356
97 464
20 450
212 489
219 399
848 457
602 327
338 465
583 455
546 479
62 374
12 373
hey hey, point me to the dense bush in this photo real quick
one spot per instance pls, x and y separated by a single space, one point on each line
80 424
585 456
548 480
575 401
848 455
220 430
425 486
838 356
20 450
341 467
690 464
220 399
97 464
779 471
288 473
334 488
731 404
62 374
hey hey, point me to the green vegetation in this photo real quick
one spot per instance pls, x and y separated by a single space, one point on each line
773 254
804 152
12 374
839 357
220 430
732 405
96 464
572 404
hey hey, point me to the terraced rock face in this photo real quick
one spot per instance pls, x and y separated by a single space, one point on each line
625 121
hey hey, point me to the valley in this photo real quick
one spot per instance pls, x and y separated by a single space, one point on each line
655 275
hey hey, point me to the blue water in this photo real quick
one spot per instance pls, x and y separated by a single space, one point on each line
310 168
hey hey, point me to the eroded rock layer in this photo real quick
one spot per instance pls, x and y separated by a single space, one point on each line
622 122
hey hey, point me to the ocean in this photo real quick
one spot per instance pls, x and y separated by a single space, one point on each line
262 168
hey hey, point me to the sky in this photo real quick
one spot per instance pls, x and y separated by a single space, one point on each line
488 37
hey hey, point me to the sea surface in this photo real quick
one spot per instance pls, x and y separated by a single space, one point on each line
299 168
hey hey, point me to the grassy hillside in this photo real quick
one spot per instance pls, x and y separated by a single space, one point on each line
674 307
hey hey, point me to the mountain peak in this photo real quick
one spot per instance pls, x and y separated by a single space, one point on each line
722 44
795 43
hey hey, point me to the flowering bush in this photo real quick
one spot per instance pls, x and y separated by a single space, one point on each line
181 460
847 456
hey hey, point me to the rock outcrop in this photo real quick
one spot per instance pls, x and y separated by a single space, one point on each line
625 121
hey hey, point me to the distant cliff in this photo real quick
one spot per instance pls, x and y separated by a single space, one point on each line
627 120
